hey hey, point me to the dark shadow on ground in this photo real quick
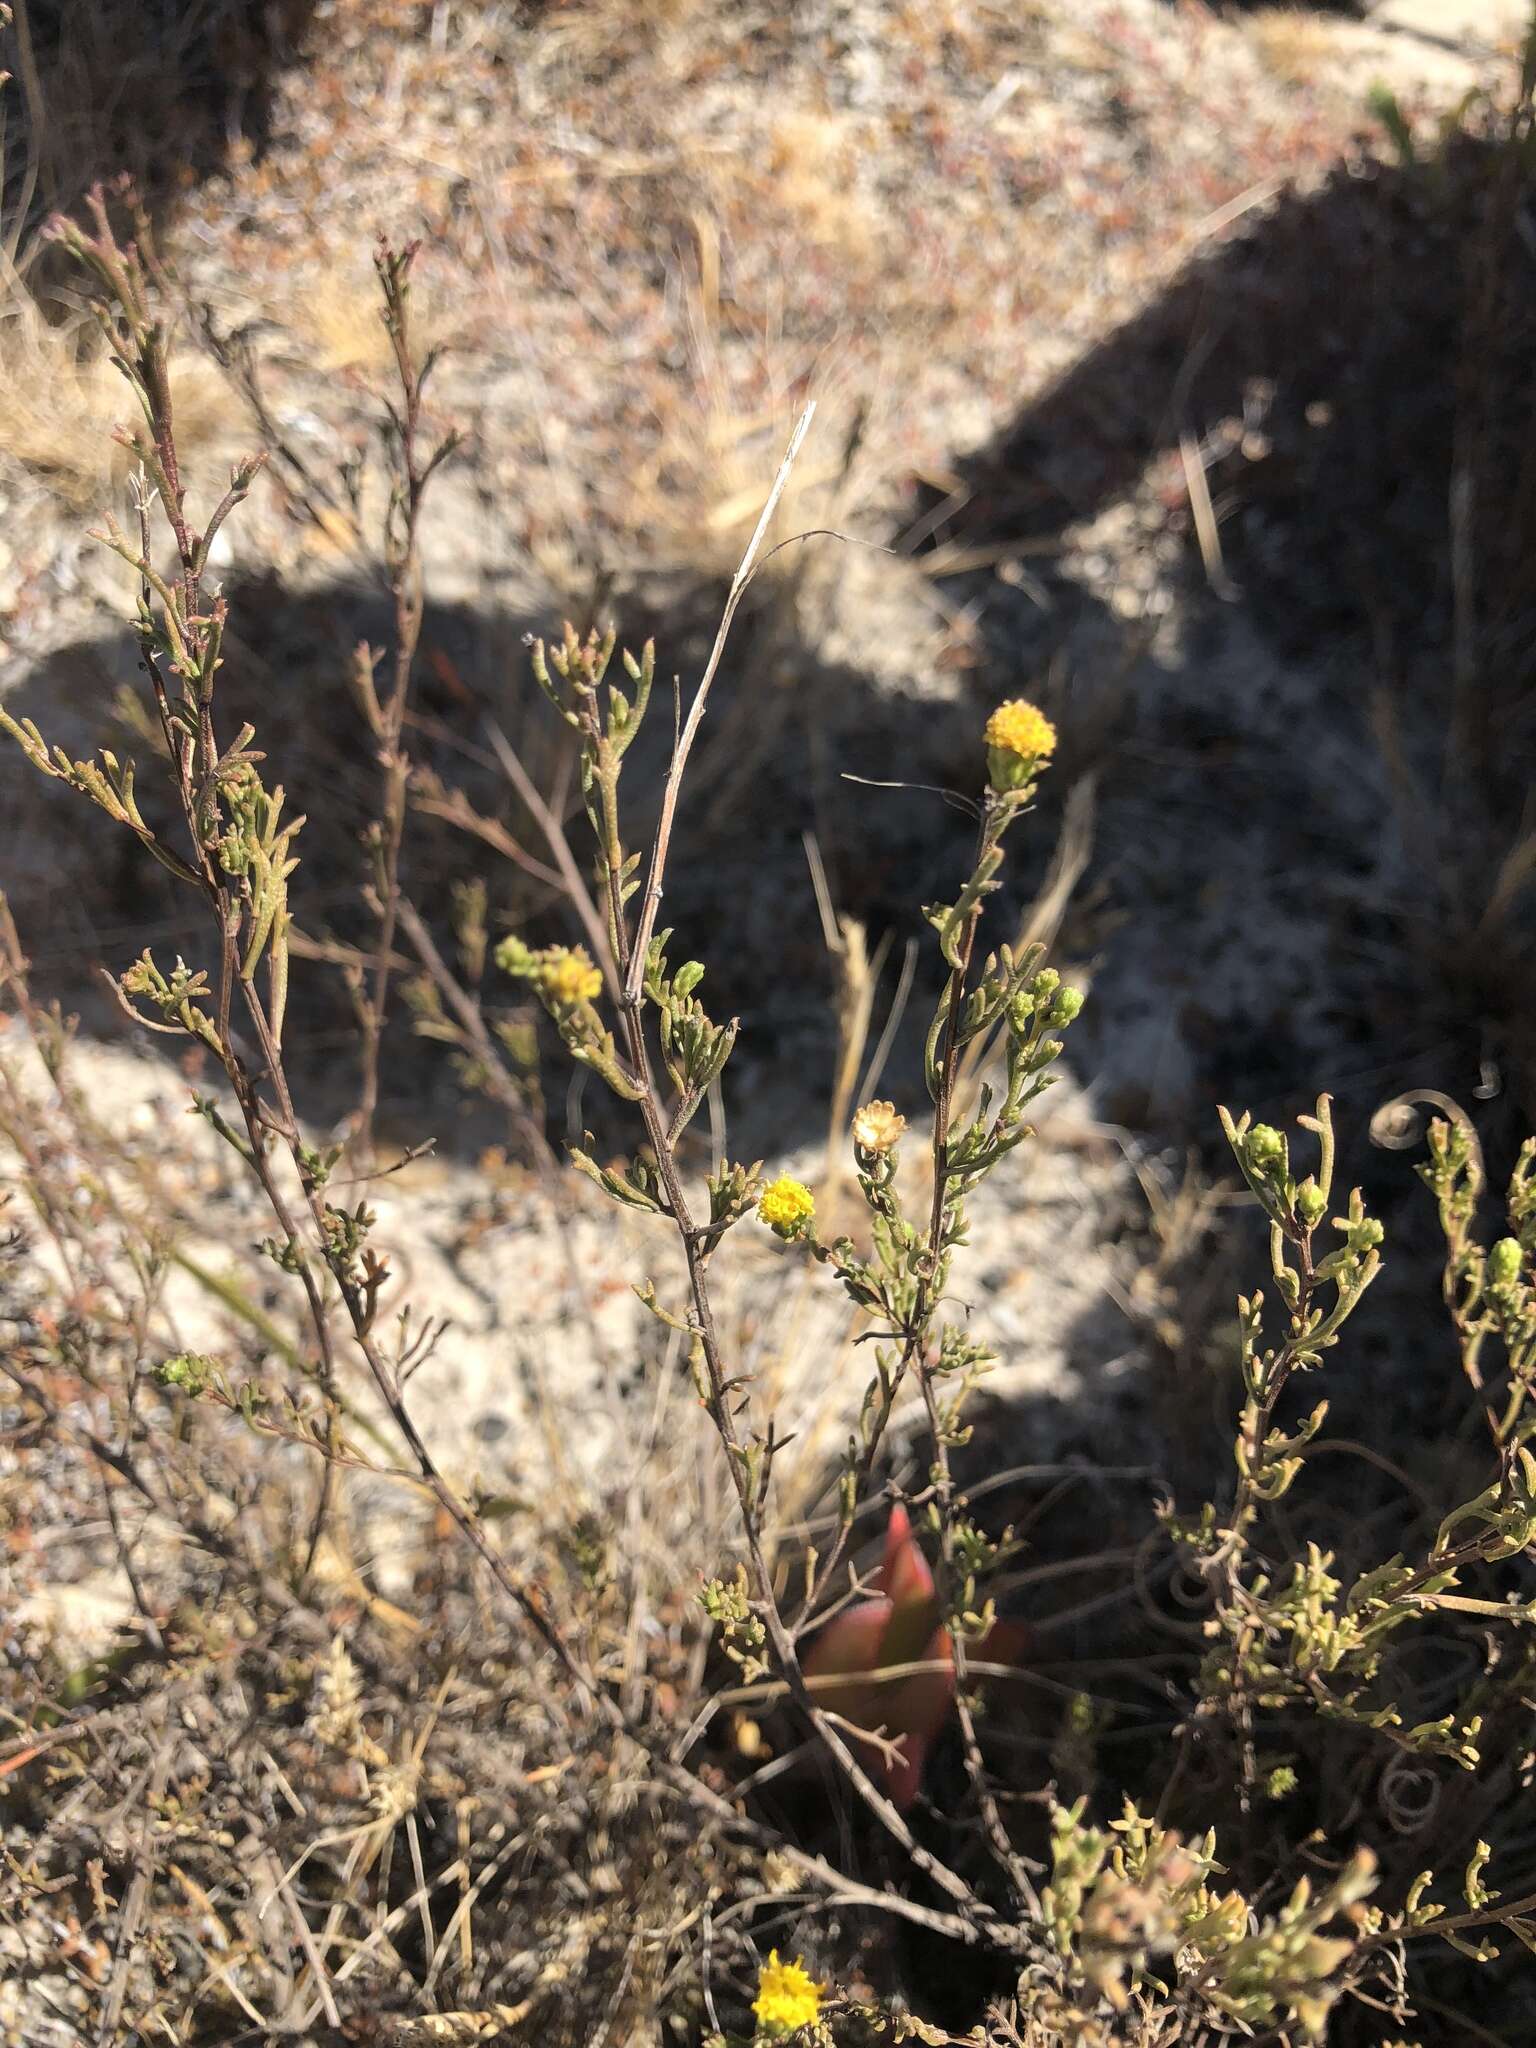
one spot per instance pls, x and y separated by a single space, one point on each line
739 891
1341 738
162 91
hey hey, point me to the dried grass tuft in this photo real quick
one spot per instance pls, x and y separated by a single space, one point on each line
60 400
1295 44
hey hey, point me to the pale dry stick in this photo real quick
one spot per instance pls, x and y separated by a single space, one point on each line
817 1525
957 1926
975 1764
766 1690
651 901
280 1887
368 1844
706 1968
137 1897
423 1889
220 1971
858 979
615 2001
887 1038
1207 532
464 1911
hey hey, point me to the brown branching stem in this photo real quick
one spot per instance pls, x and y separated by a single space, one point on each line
386 711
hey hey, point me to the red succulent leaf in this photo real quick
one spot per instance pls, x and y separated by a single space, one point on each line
904 1575
900 1625
850 1645
915 1709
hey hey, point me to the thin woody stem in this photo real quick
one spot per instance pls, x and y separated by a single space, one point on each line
915 1336
997 1833
387 714
631 965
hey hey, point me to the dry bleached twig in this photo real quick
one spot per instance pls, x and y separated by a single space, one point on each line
651 901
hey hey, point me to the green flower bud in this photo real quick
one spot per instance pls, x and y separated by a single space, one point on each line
1311 1203
1066 1005
191 1371
1264 1149
513 957
1504 1263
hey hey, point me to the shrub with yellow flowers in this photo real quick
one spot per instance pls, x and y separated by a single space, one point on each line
1128 1926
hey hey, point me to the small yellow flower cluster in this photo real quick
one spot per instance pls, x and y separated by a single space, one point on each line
1019 736
786 1206
787 1997
568 975
877 1127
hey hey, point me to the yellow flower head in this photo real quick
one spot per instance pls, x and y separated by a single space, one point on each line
1019 736
568 976
787 1997
877 1127
786 1206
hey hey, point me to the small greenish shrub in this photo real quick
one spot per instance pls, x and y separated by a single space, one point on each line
1110 1922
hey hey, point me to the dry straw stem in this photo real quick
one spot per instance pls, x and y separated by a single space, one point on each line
683 746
